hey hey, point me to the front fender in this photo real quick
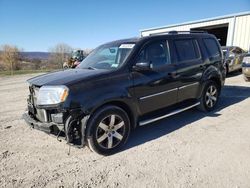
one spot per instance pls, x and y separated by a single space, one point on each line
119 96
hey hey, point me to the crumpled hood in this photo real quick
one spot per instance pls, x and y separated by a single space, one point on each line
64 77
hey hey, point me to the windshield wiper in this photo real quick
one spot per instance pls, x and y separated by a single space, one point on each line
90 68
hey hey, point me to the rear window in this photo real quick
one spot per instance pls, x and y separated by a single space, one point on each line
212 47
187 49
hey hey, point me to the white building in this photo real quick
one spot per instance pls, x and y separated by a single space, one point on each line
231 30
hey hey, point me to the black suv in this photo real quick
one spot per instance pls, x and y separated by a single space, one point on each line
125 84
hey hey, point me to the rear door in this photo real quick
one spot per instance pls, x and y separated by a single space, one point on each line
189 64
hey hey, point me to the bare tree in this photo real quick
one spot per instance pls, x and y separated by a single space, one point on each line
10 57
2 66
59 54
36 63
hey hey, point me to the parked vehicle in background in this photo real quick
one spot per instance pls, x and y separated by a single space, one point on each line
246 67
125 84
75 59
233 57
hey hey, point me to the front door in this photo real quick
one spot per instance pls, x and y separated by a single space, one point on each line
155 88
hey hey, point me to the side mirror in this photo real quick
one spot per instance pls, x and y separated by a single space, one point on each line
142 66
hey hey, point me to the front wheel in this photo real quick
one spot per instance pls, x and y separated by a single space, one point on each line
210 96
247 79
108 130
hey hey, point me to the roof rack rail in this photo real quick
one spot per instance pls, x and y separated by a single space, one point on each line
177 32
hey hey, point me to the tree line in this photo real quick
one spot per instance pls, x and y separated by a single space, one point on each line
11 58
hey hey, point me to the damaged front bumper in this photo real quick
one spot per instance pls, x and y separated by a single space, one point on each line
73 129
56 119
48 127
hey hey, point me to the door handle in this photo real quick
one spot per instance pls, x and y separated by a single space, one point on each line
202 67
173 74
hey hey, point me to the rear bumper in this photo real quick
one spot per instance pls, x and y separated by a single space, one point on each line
45 127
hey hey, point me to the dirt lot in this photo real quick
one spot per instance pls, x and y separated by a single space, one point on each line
191 149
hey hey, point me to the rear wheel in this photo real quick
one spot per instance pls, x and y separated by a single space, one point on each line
210 96
108 130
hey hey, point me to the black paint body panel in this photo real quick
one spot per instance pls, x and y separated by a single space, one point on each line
141 92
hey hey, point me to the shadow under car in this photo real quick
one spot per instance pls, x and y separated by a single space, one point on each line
230 95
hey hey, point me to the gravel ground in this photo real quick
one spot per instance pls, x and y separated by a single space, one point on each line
191 149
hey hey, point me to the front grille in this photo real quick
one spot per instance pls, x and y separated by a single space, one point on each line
40 114
34 94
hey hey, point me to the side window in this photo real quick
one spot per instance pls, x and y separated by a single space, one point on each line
156 53
212 47
235 50
187 49
239 51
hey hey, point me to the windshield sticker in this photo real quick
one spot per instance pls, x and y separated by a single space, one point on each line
114 65
127 45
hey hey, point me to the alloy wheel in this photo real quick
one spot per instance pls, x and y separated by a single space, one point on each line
110 131
211 96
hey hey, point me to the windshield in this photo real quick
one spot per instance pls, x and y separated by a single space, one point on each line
108 56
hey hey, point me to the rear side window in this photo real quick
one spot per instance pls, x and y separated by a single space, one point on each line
187 49
212 47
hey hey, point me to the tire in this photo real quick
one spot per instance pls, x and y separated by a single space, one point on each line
247 79
209 97
108 130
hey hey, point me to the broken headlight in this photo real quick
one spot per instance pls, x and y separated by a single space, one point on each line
48 95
